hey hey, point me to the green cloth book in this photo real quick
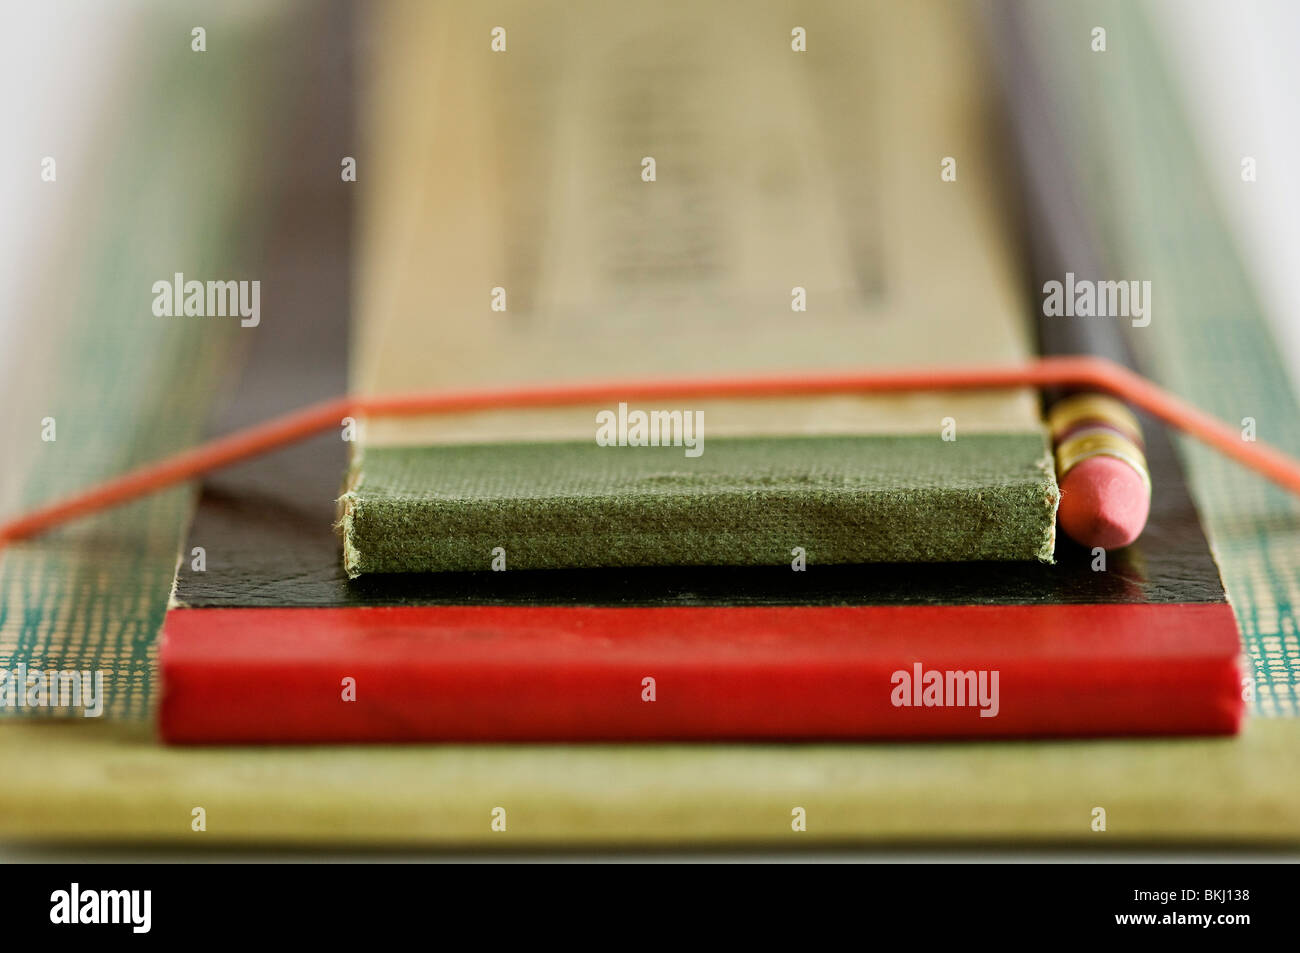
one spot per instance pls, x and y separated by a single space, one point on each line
759 501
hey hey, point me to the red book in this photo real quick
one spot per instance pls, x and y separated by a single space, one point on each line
580 673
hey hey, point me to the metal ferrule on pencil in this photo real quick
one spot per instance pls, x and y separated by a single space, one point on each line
1090 425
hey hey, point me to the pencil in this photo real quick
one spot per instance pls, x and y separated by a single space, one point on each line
1097 441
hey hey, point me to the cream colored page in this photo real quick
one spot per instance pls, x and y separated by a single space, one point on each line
774 169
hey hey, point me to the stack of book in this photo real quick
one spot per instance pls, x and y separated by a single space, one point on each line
589 193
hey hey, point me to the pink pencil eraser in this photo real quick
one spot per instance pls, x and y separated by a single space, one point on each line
1104 502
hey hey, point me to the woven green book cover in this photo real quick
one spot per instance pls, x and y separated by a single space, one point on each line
746 502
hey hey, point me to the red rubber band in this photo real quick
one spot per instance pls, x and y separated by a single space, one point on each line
1074 372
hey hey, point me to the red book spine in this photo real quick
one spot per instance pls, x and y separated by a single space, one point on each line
526 673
